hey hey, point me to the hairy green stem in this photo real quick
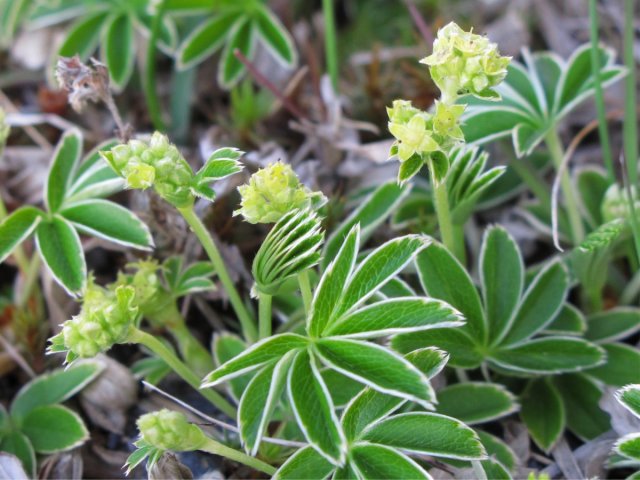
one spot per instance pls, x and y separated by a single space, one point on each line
330 44
441 201
305 290
599 95
264 317
246 322
149 77
218 448
575 219
159 349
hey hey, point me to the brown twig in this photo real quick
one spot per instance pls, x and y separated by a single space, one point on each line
421 25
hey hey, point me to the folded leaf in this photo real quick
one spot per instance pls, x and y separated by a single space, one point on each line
305 463
314 409
475 402
16 228
408 314
541 303
502 279
54 428
444 278
543 413
268 350
377 461
549 355
429 434
108 220
61 250
63 167
376 367
54 387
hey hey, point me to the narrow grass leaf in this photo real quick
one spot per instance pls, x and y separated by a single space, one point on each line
61 250
543 413
475 402
428 434
314 409
54 428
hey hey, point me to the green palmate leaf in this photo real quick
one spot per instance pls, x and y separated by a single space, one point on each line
569 321
543 413
629 397
118 51
54 387
275 36
225 347
549 355
612 325
19 445
629 446
429 434
259 401
581 395
16 228
342 388
475 402
457 343
395 288
204 40
346 473
265 351
83 37
377 461
384 263
407 314
242 38
314 409
61 250
305 463
94 178
108 220
195 278
376 367
54 428
329 290
65 161
541 303
619 369
221 164
502 279
371 212
443 277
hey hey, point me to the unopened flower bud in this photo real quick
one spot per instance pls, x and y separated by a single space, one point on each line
463 62
274 191
170 430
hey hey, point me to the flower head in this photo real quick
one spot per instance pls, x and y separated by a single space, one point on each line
274 191
412 128
156 163
168 430
463 62
104 320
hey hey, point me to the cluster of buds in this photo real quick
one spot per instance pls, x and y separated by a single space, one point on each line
145 281
156 163
105 319
169 430
4 130
465 63
273 192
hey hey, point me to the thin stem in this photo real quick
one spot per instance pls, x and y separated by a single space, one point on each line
330 48
630 130
441 201
264 317
557 155
218 448
599 95
305 290
246 322
158 348
149 77
196 356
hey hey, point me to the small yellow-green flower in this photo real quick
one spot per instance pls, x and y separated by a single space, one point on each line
156 163
412 129
104 320
463 62
274 191
168 430
446 120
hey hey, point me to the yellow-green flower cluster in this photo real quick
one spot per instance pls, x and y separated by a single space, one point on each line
274 191
145 281
463 62
168 430
4 130
105 319
156 163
